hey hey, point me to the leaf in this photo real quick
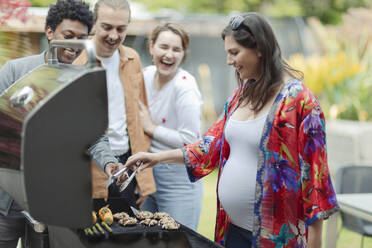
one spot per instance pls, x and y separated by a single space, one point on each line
285 149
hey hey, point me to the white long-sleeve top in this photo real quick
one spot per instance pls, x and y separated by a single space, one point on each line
175 108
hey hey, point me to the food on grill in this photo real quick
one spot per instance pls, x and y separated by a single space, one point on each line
121 215
105 215
166 220
170 225
94 215
100 228
106 227
128 221
95 230
144 215
88 231
145 218
149 222
160 215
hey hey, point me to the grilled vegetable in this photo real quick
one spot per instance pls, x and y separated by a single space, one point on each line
88 231
105 215
94 215
106 227
95 230
100 228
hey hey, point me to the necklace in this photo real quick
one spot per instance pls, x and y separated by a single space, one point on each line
250 106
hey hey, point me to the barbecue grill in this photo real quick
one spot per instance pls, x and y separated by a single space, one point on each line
48 119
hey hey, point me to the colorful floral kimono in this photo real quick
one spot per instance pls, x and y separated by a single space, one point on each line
293 185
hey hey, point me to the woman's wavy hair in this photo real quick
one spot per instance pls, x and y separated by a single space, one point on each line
251 30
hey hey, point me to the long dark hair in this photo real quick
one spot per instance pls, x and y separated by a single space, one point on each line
253 31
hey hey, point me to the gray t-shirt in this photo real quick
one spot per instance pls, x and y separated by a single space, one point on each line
16 68
9 74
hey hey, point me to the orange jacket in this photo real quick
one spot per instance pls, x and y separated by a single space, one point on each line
134 89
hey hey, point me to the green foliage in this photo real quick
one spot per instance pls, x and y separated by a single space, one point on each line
328 11
204 6
46 3
280 8
208 215
167 4
341 76
41 3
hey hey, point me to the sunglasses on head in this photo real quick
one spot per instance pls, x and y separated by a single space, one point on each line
236 22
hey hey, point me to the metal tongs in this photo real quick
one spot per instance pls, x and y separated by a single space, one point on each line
115 177
125 184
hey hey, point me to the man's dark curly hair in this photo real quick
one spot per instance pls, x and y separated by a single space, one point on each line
75 10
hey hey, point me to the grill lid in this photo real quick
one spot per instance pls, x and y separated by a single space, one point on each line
54 127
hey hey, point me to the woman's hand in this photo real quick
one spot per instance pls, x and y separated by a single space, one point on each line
147 159
148 126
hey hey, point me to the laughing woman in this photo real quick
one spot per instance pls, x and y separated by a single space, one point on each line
174 120
269 146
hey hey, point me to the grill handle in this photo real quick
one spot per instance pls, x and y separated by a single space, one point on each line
37 226
88 45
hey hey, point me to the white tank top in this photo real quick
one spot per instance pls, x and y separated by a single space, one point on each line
236 189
